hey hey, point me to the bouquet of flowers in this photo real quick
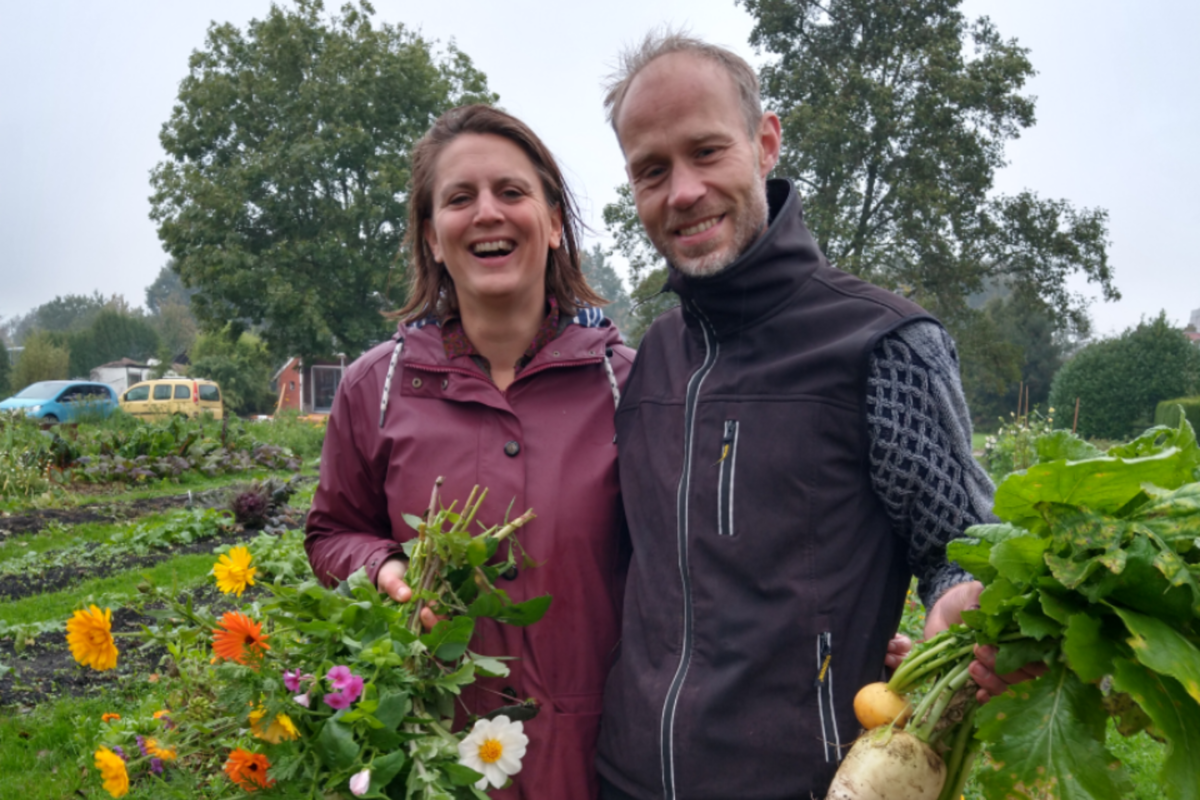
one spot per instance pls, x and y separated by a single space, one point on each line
311 691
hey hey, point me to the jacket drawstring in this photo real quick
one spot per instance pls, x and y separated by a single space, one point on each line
612 377
387 382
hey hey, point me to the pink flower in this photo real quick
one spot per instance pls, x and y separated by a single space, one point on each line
337 700
292 680
339 676
353 688
302 699
360 782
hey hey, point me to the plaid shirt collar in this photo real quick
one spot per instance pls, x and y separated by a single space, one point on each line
456 343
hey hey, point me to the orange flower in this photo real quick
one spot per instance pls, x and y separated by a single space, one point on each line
237 632
248 770
162 712
109 717
165 753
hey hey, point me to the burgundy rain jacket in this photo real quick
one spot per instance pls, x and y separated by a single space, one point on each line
546 443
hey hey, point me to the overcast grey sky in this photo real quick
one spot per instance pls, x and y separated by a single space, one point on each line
85 88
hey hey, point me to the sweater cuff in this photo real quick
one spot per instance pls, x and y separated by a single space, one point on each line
931 587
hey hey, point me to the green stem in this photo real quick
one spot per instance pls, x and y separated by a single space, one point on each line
936 701
900 677
933 667
955 772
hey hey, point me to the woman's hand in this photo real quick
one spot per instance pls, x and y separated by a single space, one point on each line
898 648
390 581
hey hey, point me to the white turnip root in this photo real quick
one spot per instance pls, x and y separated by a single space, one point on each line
888 764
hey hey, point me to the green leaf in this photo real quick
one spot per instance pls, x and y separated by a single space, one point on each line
477 551
1163 649
393 708
413 521
1020 558
1014 655
1063 445
336 746
1089 652
460 775
1176 717
1045 741
973 557
526 613
385 768
1035 624
449 638
489 667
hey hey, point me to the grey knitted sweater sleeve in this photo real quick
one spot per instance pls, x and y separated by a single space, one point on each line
921 463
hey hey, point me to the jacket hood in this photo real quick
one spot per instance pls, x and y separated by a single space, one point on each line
763 278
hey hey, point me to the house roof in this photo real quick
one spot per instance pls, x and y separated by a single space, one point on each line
124 362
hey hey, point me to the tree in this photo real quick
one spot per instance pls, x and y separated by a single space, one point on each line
63 313
240 364
1119 382
895 116
167 289
5 371
282 201
170 306
647 269
602 277
111 336
41 360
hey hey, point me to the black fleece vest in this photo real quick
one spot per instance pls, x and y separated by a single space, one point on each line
766 580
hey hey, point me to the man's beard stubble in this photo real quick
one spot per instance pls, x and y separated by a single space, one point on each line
748 226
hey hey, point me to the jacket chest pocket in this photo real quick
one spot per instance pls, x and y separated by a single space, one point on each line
725 478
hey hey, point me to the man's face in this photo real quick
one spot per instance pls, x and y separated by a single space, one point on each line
697 174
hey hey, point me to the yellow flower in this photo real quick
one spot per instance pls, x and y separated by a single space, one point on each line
233 571
280 728
112 771
90 635
165 753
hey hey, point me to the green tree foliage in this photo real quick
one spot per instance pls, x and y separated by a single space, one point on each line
167 289
1120 381
170 306
895 117
601 276
1017 346
5 371
242 366
111 336
283 197
64 313
41 360
647 269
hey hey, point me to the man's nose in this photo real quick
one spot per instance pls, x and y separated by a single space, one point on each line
686 187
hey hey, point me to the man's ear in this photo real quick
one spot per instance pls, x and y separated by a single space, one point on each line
431 239
770 140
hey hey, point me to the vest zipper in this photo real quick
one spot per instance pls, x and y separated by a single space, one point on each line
728 464
712 349
824 685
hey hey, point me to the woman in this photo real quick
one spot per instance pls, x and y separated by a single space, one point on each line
506 379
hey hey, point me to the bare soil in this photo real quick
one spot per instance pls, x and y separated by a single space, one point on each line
34 521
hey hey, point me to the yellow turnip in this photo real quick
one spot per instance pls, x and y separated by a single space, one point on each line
876 704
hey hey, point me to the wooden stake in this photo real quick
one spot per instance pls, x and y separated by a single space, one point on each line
1075 424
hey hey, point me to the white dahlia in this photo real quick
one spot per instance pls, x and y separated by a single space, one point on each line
494 747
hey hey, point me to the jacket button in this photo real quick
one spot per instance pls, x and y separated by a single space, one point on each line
509 692
509 574
416 383
511 449
445 382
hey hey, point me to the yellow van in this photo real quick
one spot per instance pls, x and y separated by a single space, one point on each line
161 398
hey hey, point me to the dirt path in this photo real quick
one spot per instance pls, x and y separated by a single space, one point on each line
35 521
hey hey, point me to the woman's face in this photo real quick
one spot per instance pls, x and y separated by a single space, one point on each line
491 225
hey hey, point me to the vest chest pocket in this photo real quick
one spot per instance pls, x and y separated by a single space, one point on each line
725 479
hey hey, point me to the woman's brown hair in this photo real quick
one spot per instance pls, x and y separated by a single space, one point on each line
431 289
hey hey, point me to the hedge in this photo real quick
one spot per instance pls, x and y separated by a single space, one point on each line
1167 412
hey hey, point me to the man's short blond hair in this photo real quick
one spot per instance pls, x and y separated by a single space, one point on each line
665 42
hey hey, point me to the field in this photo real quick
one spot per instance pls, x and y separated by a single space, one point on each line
158 502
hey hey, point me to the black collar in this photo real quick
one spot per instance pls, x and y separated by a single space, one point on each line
763 278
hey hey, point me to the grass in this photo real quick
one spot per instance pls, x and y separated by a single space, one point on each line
57 536
184 571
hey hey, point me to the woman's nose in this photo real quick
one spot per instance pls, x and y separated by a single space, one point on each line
487 209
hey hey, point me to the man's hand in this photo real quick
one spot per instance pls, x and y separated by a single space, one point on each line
898 649
947 611
390 581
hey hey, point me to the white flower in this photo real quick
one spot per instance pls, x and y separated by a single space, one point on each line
495 748
302 699
360 782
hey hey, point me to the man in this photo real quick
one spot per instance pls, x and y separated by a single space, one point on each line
793 446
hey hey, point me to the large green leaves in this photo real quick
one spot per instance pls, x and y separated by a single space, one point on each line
1163 649
1046 743
1176 716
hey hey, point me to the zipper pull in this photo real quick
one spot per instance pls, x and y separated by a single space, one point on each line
726 441
825 656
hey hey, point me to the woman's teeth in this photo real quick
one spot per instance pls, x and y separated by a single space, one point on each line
500 247
699 227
